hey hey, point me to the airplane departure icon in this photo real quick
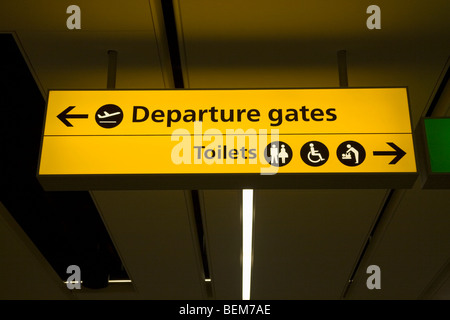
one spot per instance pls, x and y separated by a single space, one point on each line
107 115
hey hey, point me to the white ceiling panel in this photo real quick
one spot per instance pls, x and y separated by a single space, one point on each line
24 272
80 60
222 222
411 247
154 234
306 243
100 15
442 291
295 43
60 58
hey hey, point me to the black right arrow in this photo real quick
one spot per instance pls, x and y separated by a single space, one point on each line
398 153
63 116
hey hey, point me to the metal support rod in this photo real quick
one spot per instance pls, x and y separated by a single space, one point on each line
342 68
112 66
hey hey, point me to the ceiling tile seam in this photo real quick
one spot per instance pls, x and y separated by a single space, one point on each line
25 240
30 65
436 282
365 243
161 43
364 246
441 108
437 90
383 220
172 42
111 235
195 242
208 249
168 14
200 232
181 42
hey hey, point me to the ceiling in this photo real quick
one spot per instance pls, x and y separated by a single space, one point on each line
308 244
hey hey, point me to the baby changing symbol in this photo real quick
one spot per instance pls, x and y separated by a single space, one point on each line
348 155
351 153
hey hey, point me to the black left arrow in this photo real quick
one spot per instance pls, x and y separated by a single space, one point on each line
63 116
397 152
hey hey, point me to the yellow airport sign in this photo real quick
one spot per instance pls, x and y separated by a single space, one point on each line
202 138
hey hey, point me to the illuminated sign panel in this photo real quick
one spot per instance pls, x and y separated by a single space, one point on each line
436 144
265 137
438 140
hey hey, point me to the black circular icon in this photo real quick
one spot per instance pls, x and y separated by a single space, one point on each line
109 116
314 153
351 153
278 153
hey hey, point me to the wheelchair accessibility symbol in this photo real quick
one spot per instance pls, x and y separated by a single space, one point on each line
314 153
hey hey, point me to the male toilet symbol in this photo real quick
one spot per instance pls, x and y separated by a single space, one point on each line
273 154
278 153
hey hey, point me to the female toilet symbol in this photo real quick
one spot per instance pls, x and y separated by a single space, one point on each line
278 153
283 154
